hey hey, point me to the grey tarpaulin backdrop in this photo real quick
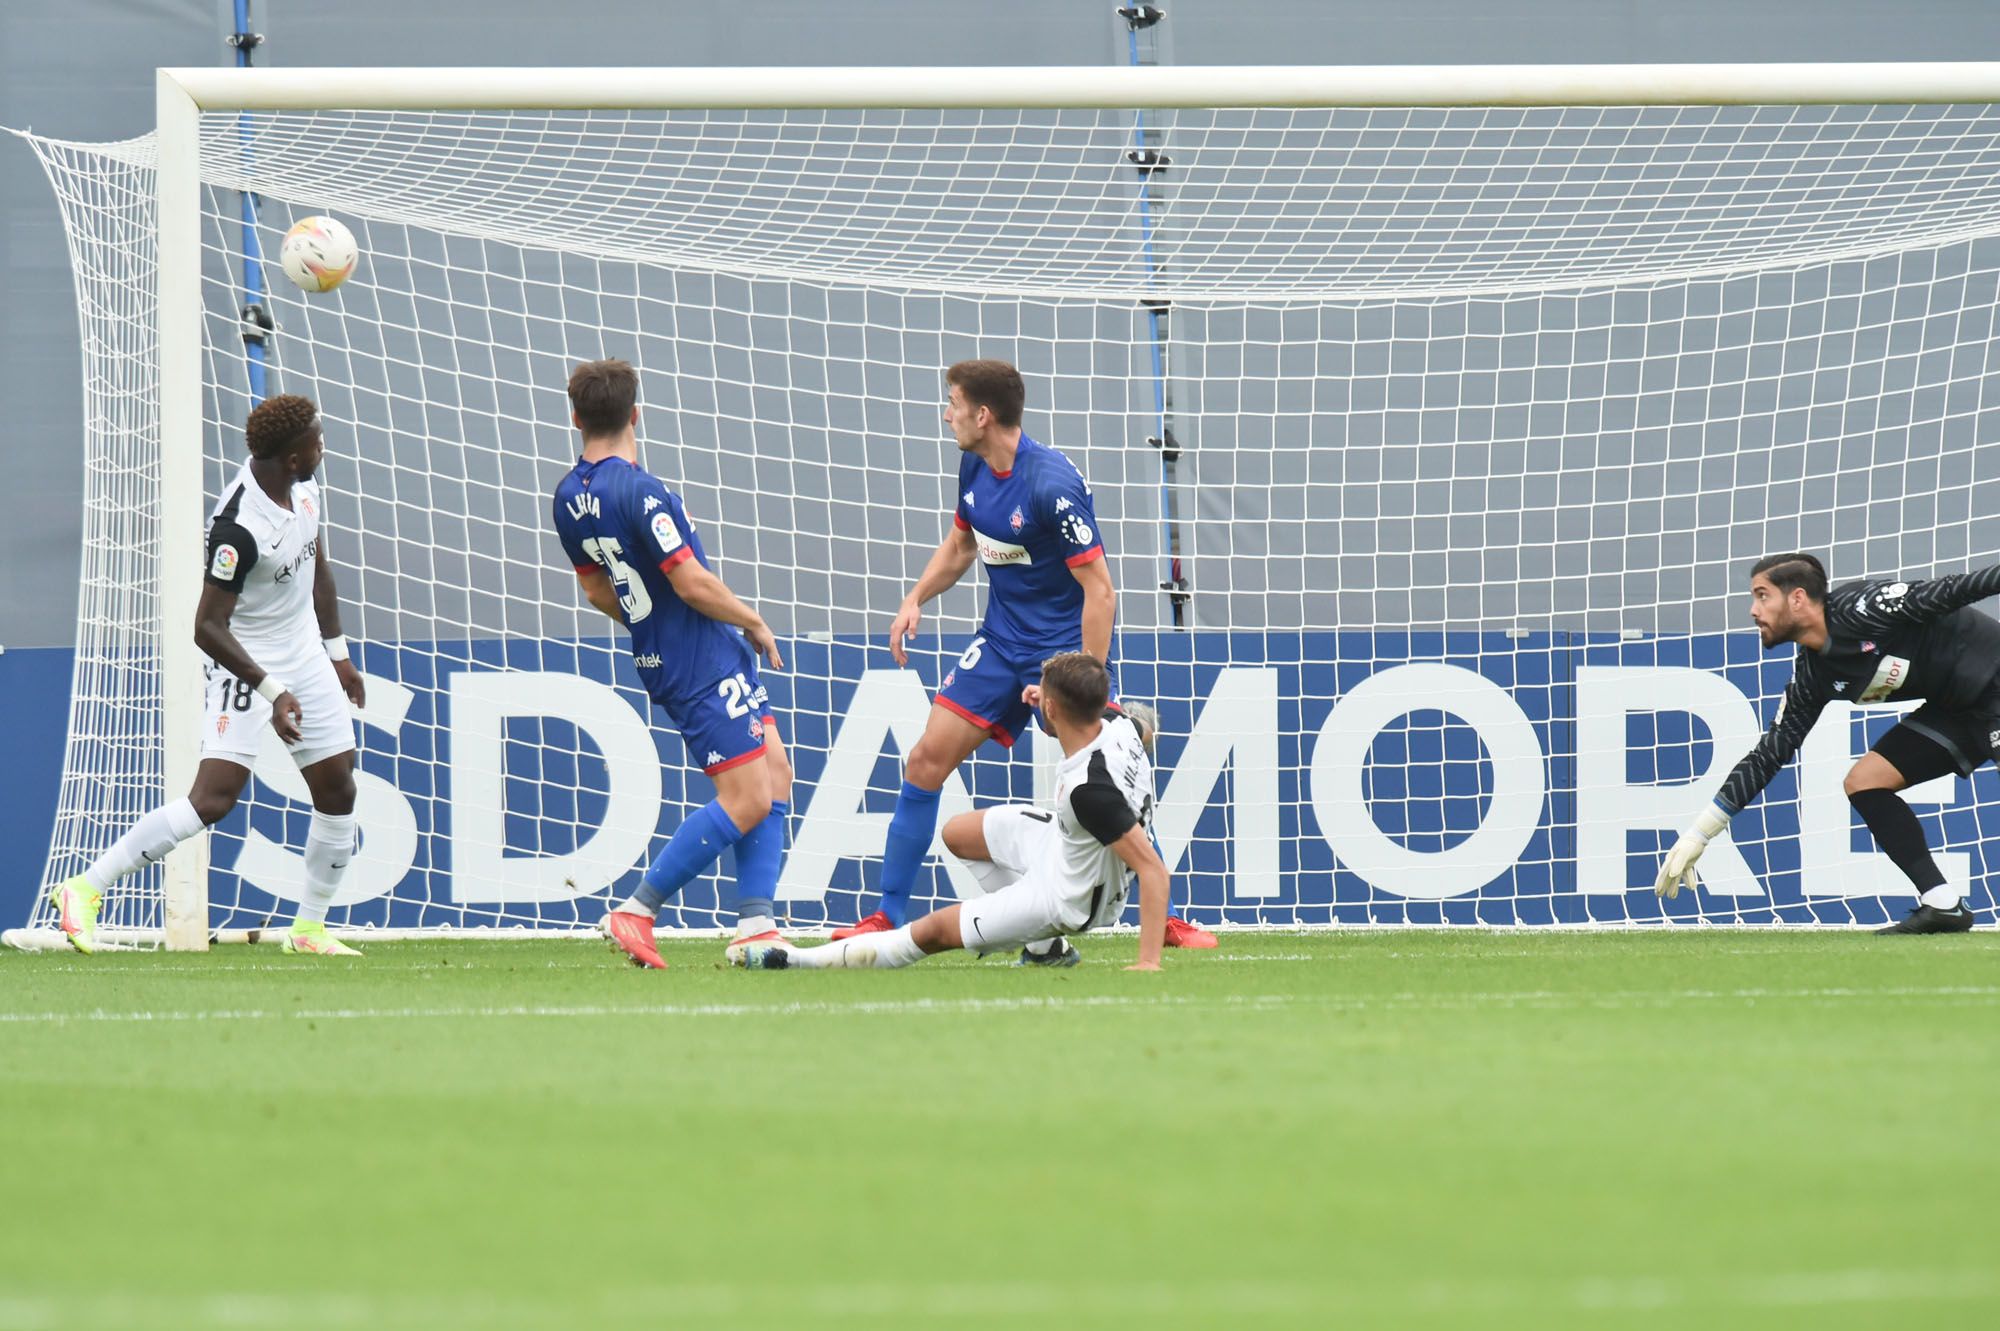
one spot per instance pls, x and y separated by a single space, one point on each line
83 70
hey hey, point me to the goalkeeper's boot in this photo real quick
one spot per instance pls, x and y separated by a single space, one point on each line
309 938
77 904
633 933
760 954
1058 957
1931 920
878 923
1185 933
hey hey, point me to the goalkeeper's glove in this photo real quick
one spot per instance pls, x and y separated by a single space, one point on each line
1678 871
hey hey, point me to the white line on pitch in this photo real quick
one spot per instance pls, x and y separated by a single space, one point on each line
1980 995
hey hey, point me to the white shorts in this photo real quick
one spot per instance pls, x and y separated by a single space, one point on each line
235 715
1022 839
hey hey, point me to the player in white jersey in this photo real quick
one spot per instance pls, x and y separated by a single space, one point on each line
1001 844
1073 877
269 623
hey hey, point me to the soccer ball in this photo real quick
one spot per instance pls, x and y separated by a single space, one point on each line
318 254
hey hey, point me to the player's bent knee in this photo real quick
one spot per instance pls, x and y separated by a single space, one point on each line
212 806
964 836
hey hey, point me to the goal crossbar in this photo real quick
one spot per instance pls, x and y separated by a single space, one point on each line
1084 86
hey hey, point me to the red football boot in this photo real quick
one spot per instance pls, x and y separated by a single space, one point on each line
634 936
878 923
1181 933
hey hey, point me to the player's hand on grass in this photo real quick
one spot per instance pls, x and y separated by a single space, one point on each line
350 682
765 644
1678 871
287 718
905 626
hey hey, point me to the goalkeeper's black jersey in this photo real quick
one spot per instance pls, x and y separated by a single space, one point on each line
1885 641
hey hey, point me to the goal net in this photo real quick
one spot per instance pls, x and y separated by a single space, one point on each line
1430 448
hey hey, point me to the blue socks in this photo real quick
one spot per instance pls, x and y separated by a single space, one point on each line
758 856
692 848
911 828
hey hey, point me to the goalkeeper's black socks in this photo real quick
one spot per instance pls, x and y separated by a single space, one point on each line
1894 823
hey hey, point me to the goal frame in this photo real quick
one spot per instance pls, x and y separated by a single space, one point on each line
182 95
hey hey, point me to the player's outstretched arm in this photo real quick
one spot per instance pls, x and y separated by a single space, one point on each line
709 595
1805 698
326 608
1136 849
213 636
948 564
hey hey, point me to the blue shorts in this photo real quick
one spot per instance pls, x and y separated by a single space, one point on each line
723 726
985 686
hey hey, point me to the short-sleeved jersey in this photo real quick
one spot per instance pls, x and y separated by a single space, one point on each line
1033 524
267 555
613 516
1885 642
1103 791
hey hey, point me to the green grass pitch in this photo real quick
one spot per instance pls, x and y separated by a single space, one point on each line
1390 1129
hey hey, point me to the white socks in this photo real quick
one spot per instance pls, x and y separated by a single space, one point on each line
1942 897
145 842
749 926
869 951
329 848
634 906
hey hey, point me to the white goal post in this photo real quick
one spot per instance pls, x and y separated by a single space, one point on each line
1465 393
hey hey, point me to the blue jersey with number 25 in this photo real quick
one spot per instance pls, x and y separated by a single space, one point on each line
614 516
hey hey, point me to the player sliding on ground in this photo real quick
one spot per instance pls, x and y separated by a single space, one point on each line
1074 876
1872 642
1001 845
695 646
269 622
1025 511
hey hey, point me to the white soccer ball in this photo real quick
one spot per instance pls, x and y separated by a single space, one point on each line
318 254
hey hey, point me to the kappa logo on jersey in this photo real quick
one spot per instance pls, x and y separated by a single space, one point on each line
652 502
666 533
713 758
224 566
1077 530
1840 686
1062 503
1015 519
968 499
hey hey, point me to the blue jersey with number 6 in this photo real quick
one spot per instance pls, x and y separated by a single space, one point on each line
618 518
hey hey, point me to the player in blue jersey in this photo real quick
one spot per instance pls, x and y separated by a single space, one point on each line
695 645
1026 513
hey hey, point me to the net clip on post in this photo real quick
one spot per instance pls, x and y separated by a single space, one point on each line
1141 16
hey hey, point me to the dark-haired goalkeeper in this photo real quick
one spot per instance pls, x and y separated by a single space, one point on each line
1873 642
269 623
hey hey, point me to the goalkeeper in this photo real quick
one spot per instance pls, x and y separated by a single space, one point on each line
1872 642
